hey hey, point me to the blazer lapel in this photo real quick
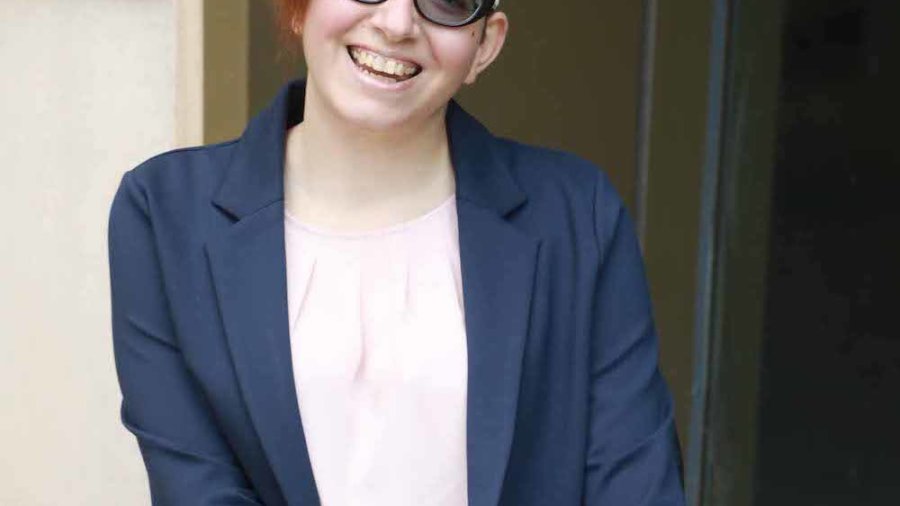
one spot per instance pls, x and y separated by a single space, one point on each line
498 266
249 272
250 279
248 267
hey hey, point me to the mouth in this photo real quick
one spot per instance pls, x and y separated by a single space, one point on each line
387 69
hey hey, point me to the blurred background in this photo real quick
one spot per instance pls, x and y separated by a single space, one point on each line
754 143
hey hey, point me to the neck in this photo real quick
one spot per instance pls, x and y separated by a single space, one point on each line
346 169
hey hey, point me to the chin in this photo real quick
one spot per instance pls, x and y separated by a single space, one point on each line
380 119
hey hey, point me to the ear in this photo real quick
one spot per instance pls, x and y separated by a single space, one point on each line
495 29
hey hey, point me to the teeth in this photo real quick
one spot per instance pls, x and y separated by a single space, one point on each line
381 63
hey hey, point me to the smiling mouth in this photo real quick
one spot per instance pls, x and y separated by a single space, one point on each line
381 66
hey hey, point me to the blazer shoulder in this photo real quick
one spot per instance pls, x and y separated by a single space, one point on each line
173 177
179 166
540 170
173 189
532 161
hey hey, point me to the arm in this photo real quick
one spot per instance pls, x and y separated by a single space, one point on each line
633 455
188 461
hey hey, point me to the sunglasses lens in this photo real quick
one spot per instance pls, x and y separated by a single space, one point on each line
449 12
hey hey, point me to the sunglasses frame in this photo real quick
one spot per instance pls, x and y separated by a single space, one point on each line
483 10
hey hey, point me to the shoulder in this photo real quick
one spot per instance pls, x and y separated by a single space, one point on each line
548 164
172 188
183 170
565 177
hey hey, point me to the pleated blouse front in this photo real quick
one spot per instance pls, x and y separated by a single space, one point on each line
380 361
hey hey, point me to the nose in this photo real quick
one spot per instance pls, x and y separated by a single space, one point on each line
396 19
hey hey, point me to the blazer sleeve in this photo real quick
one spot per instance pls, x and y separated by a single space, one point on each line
187 459
633 454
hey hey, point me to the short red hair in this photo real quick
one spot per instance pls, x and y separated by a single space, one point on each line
286 12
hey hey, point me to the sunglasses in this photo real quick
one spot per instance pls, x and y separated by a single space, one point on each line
450 12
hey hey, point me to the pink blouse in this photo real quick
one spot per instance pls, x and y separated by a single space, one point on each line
379 354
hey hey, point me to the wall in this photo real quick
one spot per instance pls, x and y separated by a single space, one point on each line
87 93
568 78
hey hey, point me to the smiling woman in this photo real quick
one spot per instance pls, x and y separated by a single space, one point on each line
369 299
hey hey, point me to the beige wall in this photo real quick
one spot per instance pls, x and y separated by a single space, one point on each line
87 92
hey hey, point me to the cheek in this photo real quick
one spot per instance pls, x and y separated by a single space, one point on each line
328 19
455 50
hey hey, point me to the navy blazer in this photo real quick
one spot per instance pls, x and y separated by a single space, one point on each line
566 404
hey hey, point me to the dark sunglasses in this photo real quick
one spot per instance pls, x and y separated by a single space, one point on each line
450 12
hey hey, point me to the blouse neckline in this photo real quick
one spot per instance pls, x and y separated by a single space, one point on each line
361 234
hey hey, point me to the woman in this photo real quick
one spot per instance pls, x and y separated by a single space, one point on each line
369 299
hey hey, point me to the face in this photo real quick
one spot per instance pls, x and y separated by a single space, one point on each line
383 66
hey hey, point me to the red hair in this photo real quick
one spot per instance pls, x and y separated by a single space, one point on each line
287 12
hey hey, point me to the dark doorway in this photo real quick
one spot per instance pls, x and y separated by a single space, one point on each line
829 406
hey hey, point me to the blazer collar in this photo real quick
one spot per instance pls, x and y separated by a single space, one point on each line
254 177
